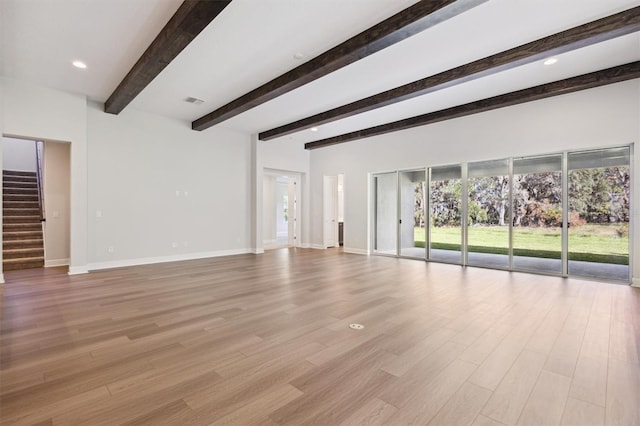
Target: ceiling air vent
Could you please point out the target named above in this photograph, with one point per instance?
(194, 101)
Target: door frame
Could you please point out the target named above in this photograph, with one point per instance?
(297, 178)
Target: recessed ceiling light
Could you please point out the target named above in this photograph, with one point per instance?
(314, 129)
(297, 56)
(550, 61)
(79, 64)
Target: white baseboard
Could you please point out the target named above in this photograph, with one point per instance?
(305, 245)
(56, 262)
(355, 251)
(163, 259)
(318, 246)
(257, 251)
(1, 278)
(635, 282)
(77, 270)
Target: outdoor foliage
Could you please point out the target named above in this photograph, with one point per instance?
(600, 195)
(597, 196)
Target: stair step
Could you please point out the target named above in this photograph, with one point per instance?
(23, 243)
(21, 219)
(17, 173)
(20, 204)
(20, 191)
(25, 179)
(12, 227)
(20, 253)
(24, 263)
(11, 185)
(20, 211)
(21, 235)
(20, 197)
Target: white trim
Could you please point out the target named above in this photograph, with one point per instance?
(164, 259)
(355, 251)
(56, 262)
(77, 270)
(635, 282)
(318, 246)
(305, 245)
(254, 251)
(1, 278)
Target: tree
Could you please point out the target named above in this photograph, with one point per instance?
(445, 202)
(492, 195)
(600, 195)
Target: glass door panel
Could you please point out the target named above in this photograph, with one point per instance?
(445, 231)
(385, 239)
(412, 213)
(599, 200)
(537, 213)
(488, 214)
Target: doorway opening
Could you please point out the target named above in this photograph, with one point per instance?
(36, 203)
(280, 193)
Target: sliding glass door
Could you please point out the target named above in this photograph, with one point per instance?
(537, 213)
(563, 214)
(599, 202)
(488, 214)
(445, 231)
(385, 187)
(412, 213)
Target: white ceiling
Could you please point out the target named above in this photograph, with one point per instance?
(253, 41)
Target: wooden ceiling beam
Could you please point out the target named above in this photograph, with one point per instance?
(189, 20)
(419, 17)
(586, 81)
(607, 28)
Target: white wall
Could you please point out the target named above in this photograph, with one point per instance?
(599, 117)
(269, 209)
(57, 200)
(160, 191)
(19, 154)
(46, 114)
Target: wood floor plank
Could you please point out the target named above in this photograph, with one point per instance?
(375, 412)
(492, 370)
(623, 393)
(260, 409)
(547, 400)
(589, 382)
(419, 410)
(265, 340)
(508, 400)
(463, 407)
(580, 413)
(565, 351)
(485, 421)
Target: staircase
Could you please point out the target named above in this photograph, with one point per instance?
(22, 242)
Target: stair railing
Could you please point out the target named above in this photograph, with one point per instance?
(39, 168)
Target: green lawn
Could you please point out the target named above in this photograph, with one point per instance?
(593, 243)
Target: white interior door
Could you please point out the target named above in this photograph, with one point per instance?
(331, 211)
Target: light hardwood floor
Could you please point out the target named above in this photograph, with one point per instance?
(265, 340)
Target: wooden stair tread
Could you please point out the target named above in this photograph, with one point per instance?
(24, 259)
(20, 233)
(18, 173)
(23, 242)
(22, 250)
